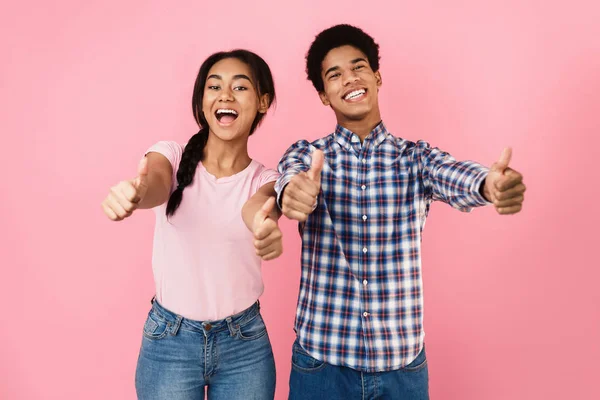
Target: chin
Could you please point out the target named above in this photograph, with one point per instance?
(352, 111)
(229, 135)
(356, 115)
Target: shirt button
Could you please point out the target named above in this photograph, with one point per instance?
(364, 249)
(365, 314)
(364, 160)
(365, 282)
(364, 217)
(363, 187)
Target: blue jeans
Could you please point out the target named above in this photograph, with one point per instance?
(314, 379)
(179, 357)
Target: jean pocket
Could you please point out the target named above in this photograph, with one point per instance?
(253, 329)
(418, 363)
(304, 362)
(155, 327)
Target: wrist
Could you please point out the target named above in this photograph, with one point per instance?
(485, 191)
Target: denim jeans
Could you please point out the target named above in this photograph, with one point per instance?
(179, 357)
(314, 379)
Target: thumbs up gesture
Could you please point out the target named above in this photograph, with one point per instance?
(267, 236)
(504, 186)
(124, 198)
(300, 196)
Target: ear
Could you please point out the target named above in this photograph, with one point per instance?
(378, 79)
(263, 103)
(324, 99)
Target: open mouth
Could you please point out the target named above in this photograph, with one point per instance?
(226, 116)
(355, 95)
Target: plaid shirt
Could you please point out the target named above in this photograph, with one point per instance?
(361, 299)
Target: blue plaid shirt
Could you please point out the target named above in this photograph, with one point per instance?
(361, 299)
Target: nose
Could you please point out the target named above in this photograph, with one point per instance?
(349, 77)
(226, 94)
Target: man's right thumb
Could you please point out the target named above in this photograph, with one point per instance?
(314, 173)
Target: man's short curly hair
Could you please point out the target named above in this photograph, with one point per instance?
(338, 36)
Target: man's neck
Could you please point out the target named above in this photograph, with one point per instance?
(361, 127)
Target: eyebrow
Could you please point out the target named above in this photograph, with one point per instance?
(356, 60)
(239, 76)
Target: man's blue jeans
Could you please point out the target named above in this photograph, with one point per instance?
(314, 379)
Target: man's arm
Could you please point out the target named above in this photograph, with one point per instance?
(456, 183)
(467, 184)
(300, 182)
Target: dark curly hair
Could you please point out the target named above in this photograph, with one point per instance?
(338, 36)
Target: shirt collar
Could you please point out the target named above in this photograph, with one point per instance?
(346, 137)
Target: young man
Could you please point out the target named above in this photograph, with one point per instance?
(361, 196)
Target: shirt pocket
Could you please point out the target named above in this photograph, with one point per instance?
(393, 192)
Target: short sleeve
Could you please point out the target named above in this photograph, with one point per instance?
(267, 175)
(172, 152)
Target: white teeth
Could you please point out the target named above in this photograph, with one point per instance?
(355, 94)
(226, 111)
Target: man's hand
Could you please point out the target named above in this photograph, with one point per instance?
(301, 194)
(504, 186)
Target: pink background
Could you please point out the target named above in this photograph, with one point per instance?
(512, 305)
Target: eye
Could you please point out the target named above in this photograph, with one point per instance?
(359, 67)
(240, 88)
(334, 75)
(213, 87)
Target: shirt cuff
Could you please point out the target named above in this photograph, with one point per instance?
(280, 186)
(476, 185)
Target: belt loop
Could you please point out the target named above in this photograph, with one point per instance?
(176, 326)
(230, 326)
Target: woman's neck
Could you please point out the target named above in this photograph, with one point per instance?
(225, 158)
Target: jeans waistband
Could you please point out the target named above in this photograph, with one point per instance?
(230, 322)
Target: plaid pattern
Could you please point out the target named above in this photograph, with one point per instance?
(361, 301)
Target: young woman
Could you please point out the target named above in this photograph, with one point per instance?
(205, 329)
